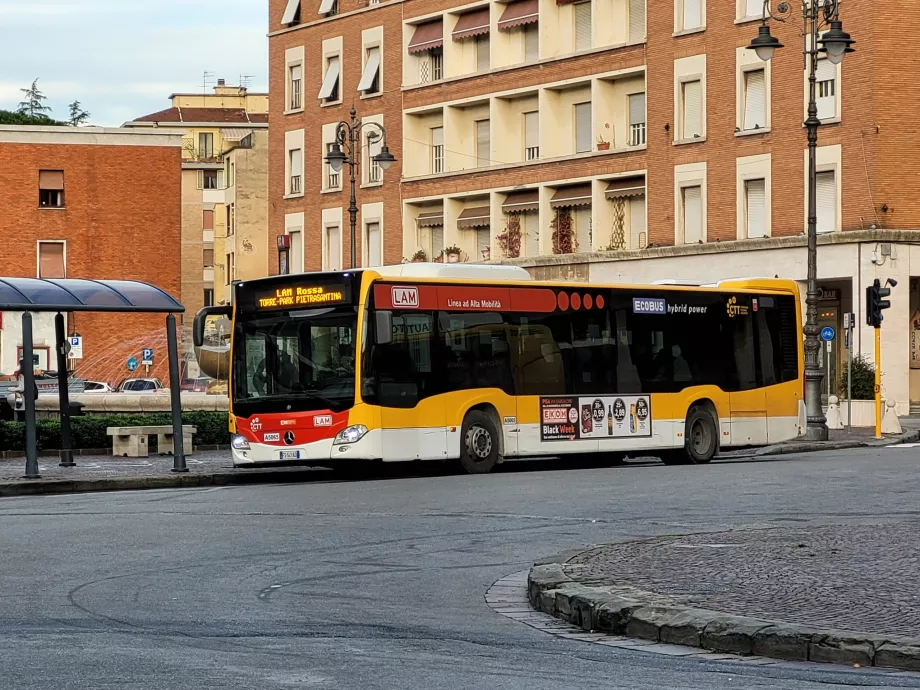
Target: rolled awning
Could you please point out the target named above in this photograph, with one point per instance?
(473, 23)
(427, 37)
(430, 219)
(626, 187)
(234, 134)
(576, 195)
(51, 179)
(522, 202)
(478, 217)
(518, 14)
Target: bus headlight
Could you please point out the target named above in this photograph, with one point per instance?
(351, 434)
(239, 443)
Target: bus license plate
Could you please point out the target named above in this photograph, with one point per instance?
(290, 455)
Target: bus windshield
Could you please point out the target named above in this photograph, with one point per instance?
(300, 361)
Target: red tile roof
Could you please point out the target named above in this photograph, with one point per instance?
(197, 115)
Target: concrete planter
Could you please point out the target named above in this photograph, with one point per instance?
(863, 412)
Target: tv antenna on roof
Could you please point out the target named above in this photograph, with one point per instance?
(245, 80)
(206, 80)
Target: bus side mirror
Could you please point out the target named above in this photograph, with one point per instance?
(201, 317)
(384, 327)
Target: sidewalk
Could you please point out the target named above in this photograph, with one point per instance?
(838, 594)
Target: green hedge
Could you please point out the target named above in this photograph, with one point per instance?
(89, 431)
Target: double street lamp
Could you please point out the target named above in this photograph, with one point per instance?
(346, 150)
(817, 15)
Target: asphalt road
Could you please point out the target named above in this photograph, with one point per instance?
(380, 584)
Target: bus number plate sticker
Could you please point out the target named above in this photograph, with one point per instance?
(272, 437)
(290, 455)
(571, 418)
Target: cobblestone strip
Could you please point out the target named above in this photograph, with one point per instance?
(811, 446)
(656, 618)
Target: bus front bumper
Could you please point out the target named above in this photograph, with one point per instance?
(368, 447)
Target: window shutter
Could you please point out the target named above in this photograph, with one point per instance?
(51, 260)
(583, 26)
(638, 224)
(531, 129)
(827, 90)
(693, 214)
(483, 155)
(755, 100)
(207, 220)
(374, 250)
(296, 73)
(754, 8)
(693, 14)
(583, 228)
(296, 162)
(482, 53)
(333, 249)
(582, 127)
(331, 79)
(531, 42)
(531, 229)
(290, 11)
(437, 136)
(371, 68)
(693, 110)
(296, 251)
(437, 241)
(483, 239)
(827, 201)
(636, 20)
(755, 199)
(636, 108)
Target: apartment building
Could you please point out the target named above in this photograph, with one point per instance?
(67, 194)
(213, 124)
(608, 140)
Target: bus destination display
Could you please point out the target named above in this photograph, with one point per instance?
(303, 296)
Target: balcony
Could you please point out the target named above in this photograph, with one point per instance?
(295, 184)
(423, 143)
(374, 173)
(333, 179)
(437, 159)
(637, 134)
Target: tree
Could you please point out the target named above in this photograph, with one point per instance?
(33, 105)
(8, 117)
(78, 116)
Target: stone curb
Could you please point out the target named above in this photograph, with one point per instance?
(162, 481)
(623, 611)
(812, 446)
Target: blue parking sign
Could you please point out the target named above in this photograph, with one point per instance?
(147, 356)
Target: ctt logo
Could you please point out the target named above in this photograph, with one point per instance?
(734, 309)
(405, 297)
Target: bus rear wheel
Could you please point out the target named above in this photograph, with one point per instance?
(701, 439)
(479, 443)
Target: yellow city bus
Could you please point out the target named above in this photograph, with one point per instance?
(472, 364)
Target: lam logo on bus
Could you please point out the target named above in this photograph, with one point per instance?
(405, 297)
(322, 420)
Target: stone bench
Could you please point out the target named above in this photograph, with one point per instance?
(131, 441)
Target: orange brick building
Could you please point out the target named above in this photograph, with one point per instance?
(607, 140)
(90, 203)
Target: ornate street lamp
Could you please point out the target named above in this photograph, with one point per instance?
(346, 150)
(834, 44)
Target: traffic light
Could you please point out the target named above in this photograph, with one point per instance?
(875, 302)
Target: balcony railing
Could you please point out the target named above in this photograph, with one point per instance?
(295, 184)
(532, 153)
(374, 173)
(296, 100)
(332, 180)
(637, 134)
(437, 159)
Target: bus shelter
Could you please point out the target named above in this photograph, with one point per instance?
(69, 295)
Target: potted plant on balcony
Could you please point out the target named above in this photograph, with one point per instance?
(510, 239)
(602, 144)
(452, 253)
(419, 257)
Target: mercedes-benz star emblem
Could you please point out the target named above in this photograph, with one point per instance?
(289, 437)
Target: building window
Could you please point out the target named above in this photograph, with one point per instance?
(582, 26)
(636, 20)
(333, 178)
(296, 179)
(231, 219)
(210, 179)
(51, 188)
(483, 244)
(483, 144)
(691, 109)
(755, 100)
(374, 146)
(691, 14)
(826, 90)
(691, 201)
(755, 208)
(207, 220)
(583, 127)
(638, 223)
(826, 199)
(231, 267)
(205, 145)
(208, 257)
(370, 78)
(291, 14)
(531, 42)
(437, 150)
(51, 260)
(329, 8)
(296, 88)
(752, 8)
(332, 261)
(209, 297)
(482, 53)
(584, 233)
(637, 119)
(373, 245)
(531, 136)
(329, 92)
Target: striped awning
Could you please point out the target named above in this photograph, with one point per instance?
(478, 217)
(427, 36)
(576, 195)
(234, 134)
(430, 219)
(475, 23)
(518, 14)
(626, 187)
(522, 202)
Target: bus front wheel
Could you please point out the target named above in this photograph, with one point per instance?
(479, 443)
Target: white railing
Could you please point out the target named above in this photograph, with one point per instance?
(437, 159)
(531, 153)
(637, 134)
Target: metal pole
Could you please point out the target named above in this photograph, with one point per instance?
(878, 383)
(63, 392)
(27, 367)
(850, 377)
(172, 347)
(354, 141)
(817, 422)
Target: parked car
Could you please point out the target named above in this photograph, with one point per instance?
(140, 386)
(197, 385)
(97, 387)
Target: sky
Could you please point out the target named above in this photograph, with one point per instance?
(123, 58)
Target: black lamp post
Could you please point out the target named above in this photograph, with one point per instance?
(816, 15)
(347, 150)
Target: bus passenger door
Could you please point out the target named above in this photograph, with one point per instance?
(747, 401)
